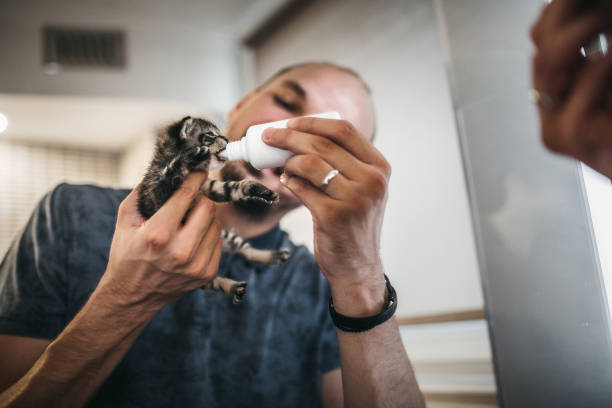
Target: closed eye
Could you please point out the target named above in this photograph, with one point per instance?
(206, 139)
(286, 105)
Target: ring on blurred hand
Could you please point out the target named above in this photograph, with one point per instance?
(542, 99)
(329, 178)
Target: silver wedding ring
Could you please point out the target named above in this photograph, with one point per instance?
(329, 178)
(542, 99)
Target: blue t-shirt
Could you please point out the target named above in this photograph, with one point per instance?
(201, 350)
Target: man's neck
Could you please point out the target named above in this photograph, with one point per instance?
(244, 225)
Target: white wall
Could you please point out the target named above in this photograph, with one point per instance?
(134, 160)
(428, 244)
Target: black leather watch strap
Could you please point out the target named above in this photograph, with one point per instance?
(361, 324)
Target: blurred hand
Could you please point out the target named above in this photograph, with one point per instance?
(156, 261)
(348, 213)
(576, 92)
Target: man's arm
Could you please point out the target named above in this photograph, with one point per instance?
(73, 366)
(379, 356)
(151, 264)
(373, 363)
(347, 216)
(18, 354)
(331, 389)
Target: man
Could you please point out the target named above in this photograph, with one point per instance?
(574, 93)
(148, 336)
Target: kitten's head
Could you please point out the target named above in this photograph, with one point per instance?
(201, 132)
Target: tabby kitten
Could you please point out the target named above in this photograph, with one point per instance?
(194, 144)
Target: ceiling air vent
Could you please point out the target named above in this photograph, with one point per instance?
(83, 48)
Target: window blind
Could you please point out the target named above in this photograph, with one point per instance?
(28, 171)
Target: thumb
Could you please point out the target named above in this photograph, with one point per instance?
(128, 214)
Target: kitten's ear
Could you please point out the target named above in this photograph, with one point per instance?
(187, 127)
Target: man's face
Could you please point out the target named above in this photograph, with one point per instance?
(301, 91)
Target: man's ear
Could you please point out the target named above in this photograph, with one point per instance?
(239, 105)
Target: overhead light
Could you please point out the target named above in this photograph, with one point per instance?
(3, 122)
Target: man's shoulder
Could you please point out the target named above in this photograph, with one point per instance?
(83, 206)
(83, 194)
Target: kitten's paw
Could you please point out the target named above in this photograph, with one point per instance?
(254, 191)
(280, 256)
(237, 292)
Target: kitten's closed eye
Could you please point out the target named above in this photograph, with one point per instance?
(207, 138)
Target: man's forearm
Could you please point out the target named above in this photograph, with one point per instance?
(79, 360)
(376, 371)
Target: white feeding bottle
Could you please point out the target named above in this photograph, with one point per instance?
(254, 150)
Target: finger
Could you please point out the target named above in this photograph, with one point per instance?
(198, 222)
(553, 82)
(173, 211)
(213, 265)
(567, 9)
(539, 26)
(563, 10)
(563, 49)
(601, 127)
(202, 253)
(589, 91)
(314, 169)
(128, 213)
(596, 144)
(552, 16)
(308, 194)
(310, 144)
(342, 132)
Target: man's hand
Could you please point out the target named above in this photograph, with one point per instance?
(348, 213)
(576, 112)
(156, 261)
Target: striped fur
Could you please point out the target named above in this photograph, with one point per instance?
(223, 191)
(234, 243)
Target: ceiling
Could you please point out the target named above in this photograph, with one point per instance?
(108, 110)
(211, 14)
